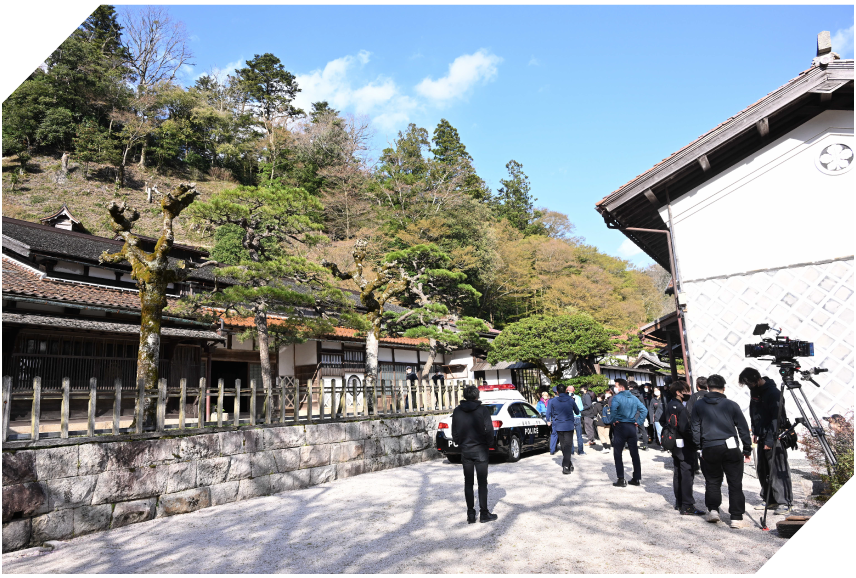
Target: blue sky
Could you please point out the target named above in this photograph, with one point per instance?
(585, 97)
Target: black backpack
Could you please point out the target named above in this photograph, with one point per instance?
(669, 435)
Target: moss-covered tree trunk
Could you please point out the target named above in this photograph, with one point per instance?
(152, 273)
(264, 347)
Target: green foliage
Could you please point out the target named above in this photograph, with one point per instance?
(839, 434)
(514, 202)
(561, 337)
(268, 85)
(227, 245)
(596, 383)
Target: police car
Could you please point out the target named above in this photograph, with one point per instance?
(517, 426)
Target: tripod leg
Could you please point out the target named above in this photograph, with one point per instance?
(772, 466)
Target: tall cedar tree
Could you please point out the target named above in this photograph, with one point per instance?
(565, 338)
(449, 150)
(514, 202)
(435, 296)
(152, 272)
(271, 280)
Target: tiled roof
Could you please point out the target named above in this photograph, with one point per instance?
(92, 325)
(71, 244)
(338, 332)
(21, 280)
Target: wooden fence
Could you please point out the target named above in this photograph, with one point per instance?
(287, 401)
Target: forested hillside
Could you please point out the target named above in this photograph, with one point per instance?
(109, 97)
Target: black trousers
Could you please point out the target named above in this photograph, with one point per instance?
(782, 492)
(475, 466)
(682, 479)
(566, 439)
(588, 425)
(721, 461)
(625, 433)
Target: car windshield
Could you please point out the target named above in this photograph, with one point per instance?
(494, 407)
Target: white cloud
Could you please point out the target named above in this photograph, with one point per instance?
(842, 42)
(463, 74)
(534, 62)
(222, 72)
(628, 249)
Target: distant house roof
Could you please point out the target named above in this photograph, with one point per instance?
(63, 219)
(649, 360)
(485, 366)
(339, 333)
(636, 203)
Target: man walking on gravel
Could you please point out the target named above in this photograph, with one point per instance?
(717, 423)
(623, 413)
(472, 431)
(562, 413)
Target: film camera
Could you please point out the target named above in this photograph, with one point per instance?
(779, 348)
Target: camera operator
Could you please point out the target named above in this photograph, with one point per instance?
(765, 427)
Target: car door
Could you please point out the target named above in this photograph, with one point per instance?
(534, 420)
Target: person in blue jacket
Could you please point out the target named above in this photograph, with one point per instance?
(541, 406)
(622, 414)
(560, 414)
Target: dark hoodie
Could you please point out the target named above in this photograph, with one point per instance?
(472, 427)
(561, 411)
(715, 418)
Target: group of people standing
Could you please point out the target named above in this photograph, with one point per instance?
(704, 432)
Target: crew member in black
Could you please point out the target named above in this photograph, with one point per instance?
(765, 427)
(674, 436)
(472, 431)
(410, 378)
(717, 422)
(701, 387)
(588, 413)
(642, 432)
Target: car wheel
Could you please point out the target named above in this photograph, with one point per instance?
(453, 459)
(513, 453)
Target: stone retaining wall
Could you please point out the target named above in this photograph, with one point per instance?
(56, 493)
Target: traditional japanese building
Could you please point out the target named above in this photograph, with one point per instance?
(760, 212)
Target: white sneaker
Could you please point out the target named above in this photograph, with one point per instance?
(712, 516)
(738, 524)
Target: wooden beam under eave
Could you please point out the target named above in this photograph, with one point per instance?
(704, 163)
(763, 126)
(652, 198)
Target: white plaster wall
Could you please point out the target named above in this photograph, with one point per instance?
(405, 356)
(73, 268)
(331, 345)
(384, 354)
(242, 345)
(773, 209)
(813, 303)
(306, 353)
(101, 273)
(491, 376)
(285, 360)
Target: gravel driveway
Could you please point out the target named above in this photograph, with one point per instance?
(413, 520)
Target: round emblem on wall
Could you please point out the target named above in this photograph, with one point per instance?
(835, 159)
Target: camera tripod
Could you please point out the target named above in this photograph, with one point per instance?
(787, 368)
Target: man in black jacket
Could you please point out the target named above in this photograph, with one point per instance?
(717, 422)
(677, 437)
(701, 387)
(642, 432)
(588, 413)
(472, 431)
(765, 427)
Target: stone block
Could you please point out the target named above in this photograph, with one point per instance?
(57, 525)
(71, 492)
(89, 519)
(391, 427)
(314, 456)
(223, 493)
(25, 500)
(430, 454)
(407, 442)
(126, 513)
(16, 534)
(358, 430)
(199, 447)
(287, 459)
(422, 441)
(212, 471)
(372, 448)
(390, 446)
(19, 467)
(241, 442)
(183, 502)
(283, 437)
(296, 479)
(379, 463)
(325, 433)
(281, 483)
(404, 459)
(118, 486)
(322, 475)
(92, 459)
(54, 463)
(346, 452)
(141, 453)
(180, 477)
(254, 488)
(240, 467)
(349, 469)
(410, 425)
(262, 464)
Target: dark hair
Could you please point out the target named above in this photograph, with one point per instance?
(471, 393)
(561, 388)
(749, 376)
(621, 382)
(679, 386)
(701, 383)
(632, 384)
(667, 380)
(716, 382)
